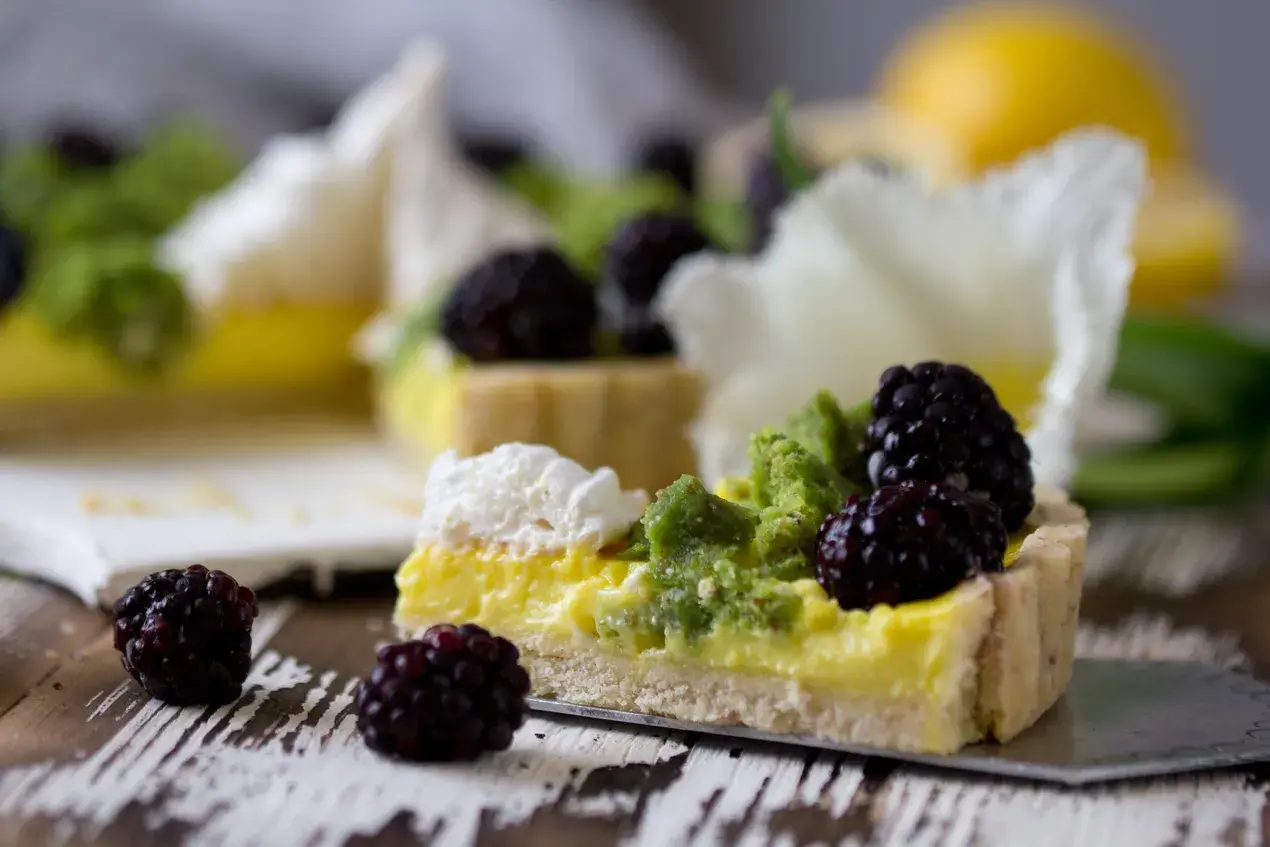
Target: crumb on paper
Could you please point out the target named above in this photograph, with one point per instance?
(395, 500)
(210, 495)
(99, 504)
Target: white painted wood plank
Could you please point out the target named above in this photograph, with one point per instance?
(311, 780)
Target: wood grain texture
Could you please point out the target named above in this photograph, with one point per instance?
(85, 758)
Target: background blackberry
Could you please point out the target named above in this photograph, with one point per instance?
(675, 158)
(81, 148)
(493, 154)
(12, 265)
(453, 694)
(636, 262)
(943, 423)
(521, 305)
(765, 194)
(645, 248)
(646, 338)
(907, 542)
(186, 635)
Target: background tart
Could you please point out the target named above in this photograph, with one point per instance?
(631, 415)
(276, 358)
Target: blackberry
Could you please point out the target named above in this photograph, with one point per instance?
(672, 157)
(453, 694)
(907, 542)
(646, 338)
(637, 260)
(12, 265)
(493, 154)
(645, 248)
(943, 423)
(185, 635)
(765, 194)
(521, 305)
(82, 148)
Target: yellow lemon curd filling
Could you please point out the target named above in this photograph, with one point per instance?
(584, 596)
(271, 347)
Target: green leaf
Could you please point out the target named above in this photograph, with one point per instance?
(583, 212)
(795, 173)
(592, 211)
(1165, 474)
(725, 222)
(419, 327)
(1201, 375)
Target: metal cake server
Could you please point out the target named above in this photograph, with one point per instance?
(1118, 720)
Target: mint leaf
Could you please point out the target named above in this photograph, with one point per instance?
(419, 327)
(795, 173)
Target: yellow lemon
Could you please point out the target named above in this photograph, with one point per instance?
(1187, 239)
(1002, 79)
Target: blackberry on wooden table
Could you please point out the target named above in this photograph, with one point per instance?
(451, 695)
(185, 635)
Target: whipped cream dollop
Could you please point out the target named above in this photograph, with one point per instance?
(1028, 264)
(526, 497)
(304, 220)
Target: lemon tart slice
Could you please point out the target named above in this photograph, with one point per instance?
(906, 619)
(246, 302)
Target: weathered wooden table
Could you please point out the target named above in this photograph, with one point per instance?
(84, 757)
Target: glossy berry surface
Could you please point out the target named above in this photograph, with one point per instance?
(451, 695)
(939, 422)
(907, 542)
(12, 265)
(521, 305)
(185, 635)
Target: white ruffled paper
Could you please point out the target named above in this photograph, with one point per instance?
(303, 222)
(1028, 264)
(442, 216)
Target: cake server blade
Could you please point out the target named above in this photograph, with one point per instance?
(1118, 720)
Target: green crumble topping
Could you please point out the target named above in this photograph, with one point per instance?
(91, 232)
